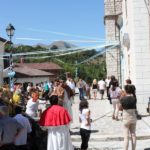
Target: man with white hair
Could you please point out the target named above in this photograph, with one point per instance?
(10, 129)
(21, 141)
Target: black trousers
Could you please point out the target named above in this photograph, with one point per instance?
(85, 136)
(109, 98)
(107, 91)
(21, 147)
(8, 147)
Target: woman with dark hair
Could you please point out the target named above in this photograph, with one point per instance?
(115, 92)
(129, 82)
(112, 79)
(56, 119)
(128, 104)
(85, 129)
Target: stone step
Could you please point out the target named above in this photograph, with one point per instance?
(101, 145)
(102, 138)
(114, 145)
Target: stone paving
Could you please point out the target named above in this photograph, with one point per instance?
(107, 133)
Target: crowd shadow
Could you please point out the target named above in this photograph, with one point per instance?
(94, 131)
(76, 128)
(145, 116)
(74, 133)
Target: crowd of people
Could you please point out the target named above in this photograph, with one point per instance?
(123, 100)
(50, 106)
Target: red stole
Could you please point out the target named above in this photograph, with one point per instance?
(55, 116)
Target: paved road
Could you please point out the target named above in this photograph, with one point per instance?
(107, 133)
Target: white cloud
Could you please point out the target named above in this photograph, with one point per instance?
(64, 34)
(29, 39)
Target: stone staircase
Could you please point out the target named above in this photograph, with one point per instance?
(107, 134)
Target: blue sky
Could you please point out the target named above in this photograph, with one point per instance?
(44, 21)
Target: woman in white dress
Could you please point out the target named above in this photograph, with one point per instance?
(67, 103)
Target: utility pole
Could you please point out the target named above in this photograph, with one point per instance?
(76, 70)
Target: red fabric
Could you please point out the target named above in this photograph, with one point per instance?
(55, 116)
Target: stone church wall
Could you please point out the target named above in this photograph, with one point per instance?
(113, 8)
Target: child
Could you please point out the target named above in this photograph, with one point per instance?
(85, 129)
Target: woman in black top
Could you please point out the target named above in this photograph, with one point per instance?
(94, 88)
(128, 104)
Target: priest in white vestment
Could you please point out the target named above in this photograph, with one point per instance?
(56, 119)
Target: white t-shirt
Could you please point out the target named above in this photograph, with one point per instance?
(71, 84)
(28, 88)
(81, 84)
(83, 116)
(31, 108)
(101, 85)
(115, 93)
(50, 85)
(22, 139)
(107, 81)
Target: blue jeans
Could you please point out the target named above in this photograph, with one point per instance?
(81, 93)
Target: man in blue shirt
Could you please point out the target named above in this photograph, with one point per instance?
(10, 129)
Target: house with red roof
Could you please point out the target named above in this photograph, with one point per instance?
(46, 66)
(36, 72)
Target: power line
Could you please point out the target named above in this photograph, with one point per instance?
(100, 53)
(74, 41)
(91, 58)
(69, 53)
(58, 50)
(87, 60)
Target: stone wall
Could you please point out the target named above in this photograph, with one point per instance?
(113, 8)
(109, 7)
(138, 29)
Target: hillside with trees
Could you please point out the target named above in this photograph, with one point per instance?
(89, 70)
